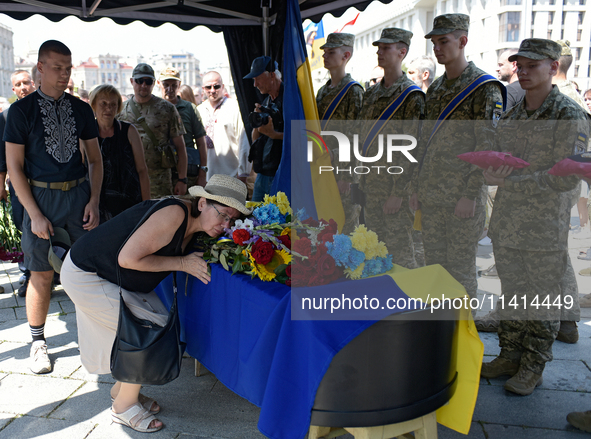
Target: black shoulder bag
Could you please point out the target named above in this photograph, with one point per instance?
(144, 352)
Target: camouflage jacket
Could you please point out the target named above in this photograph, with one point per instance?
(163, 119)
(532, 210)
(406, 120)
(350, 105)
(566, 87)
(442, 178)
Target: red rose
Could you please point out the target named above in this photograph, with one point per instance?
(325, 265)
(321, 250)
(288, 270)
(285, 240)
(240, 235)
(302, 246)
(262, 252)
(311, 222)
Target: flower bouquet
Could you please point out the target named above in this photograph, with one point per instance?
(10, 236)
(259, 246)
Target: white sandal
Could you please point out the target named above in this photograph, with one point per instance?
(137, 418)
(146, 402)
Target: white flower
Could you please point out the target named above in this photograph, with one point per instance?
(246, 224)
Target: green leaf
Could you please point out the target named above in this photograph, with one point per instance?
(224, 262)
(280, 269)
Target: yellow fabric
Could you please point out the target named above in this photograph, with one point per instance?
(434, 281)
(326, 192)
(417, 224)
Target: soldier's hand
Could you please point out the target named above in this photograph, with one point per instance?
(392, 205)
(497, 177)
(414, 202)
(465, 208)
(91, 216)
(180, 188)
(344, 187)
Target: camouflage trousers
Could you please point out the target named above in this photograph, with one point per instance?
(452, 242)
(527, 331)
(569, 290)
(160, 182)
(352, 212)
(394, 230)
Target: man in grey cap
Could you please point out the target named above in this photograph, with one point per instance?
(158, 123)
(267, 147)
(530, 222)
(394, 99)
(450, 192)
(340, 99)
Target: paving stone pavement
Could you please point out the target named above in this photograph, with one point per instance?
(69, 403)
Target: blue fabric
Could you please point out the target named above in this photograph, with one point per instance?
(262, 186)
(241, 329)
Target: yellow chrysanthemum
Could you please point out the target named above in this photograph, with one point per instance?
(355, 274)
(286, 231)
(267, 272)
(252, 204)
(269, 199)
(367, 241)
(283, 203)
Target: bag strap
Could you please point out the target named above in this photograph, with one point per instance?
(137, 226)
(142, 121)
(336, 101)
(387, 114)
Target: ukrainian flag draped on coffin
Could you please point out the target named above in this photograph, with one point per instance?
(318, 193)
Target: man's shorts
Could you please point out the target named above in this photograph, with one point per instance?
(63, 209)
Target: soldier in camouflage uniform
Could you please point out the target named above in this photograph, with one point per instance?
(386, 211)
(530, 221)
(338, 50)
(165, 123)
(449, 191)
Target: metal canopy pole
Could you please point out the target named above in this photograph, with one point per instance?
(265, 6)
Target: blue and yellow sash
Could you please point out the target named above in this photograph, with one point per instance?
(387, 114)
(461, 97)
(335, 102)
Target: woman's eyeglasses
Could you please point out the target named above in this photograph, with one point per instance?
(227, 218)
(216, 87)
(142, 81)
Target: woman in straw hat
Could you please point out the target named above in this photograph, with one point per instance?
(157, 248)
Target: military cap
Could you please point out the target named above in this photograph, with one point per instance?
(169, 73)
(143, 70)
(565, 44)
(337, 40)
(538, 48)
(392, 35)
(447, 23)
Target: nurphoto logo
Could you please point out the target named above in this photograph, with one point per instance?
(394, 143)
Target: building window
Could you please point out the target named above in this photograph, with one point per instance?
(103, 77)
(581, 18)
(577, 53)
(108, 64)
(110, 79)
(510, 2)
(509, 24)
(576, 71)
(582, 2)
(102, 64)
(531, 34)
(552, 2)
(579, 34)
(533, 18)
(549, 37)
(550, 18)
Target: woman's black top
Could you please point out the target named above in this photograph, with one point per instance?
(121, 183)
(97, 251)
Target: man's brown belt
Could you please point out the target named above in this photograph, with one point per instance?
(61, 185)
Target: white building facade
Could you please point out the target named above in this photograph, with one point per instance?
(6, 61)
(495, 25)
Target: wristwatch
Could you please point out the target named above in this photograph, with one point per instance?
(183, 180)
(204, 168)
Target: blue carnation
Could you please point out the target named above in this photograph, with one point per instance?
(269, 214)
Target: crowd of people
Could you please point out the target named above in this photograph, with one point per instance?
(96, 170)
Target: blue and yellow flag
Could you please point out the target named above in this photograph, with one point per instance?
(317, 192)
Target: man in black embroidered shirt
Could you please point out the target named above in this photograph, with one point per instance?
(50, 136)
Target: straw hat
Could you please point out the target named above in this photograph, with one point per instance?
(225, 190)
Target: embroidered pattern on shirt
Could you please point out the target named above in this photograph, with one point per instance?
(61, 139)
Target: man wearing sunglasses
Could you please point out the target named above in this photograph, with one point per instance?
(227, 144)
(158, 123)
